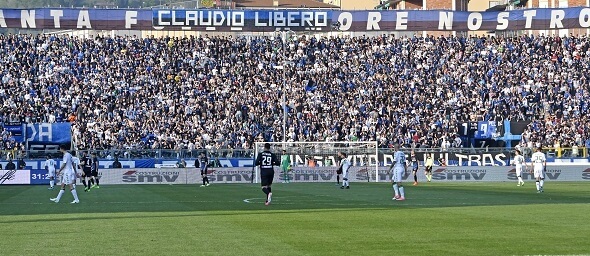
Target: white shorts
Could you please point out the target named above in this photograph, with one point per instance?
(538, 172)
(398, 173)
(68, 178)
(518, 170)
(51, 173)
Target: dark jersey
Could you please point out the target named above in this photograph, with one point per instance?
(94, 164)
(414, 162)
(87, 163)
(203, 162)
(266, 160)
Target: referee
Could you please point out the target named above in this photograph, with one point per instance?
(267, 160)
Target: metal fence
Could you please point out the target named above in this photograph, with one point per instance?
(581, 152)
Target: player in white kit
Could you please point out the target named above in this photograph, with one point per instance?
(345, 165)
(539, 165)
(68, 177)
(50, 168)
(399, 169)
(75, 163)
(519, 161)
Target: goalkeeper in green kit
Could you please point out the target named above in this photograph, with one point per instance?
(285, 166)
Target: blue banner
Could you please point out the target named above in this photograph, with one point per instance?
(48, 134)
(295, 19)
(39, 177)
(485, 130)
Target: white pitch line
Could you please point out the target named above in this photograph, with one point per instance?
(137, 202)
(247, 200)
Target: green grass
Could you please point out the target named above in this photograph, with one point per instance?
(305, 219)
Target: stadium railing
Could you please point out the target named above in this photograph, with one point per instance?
(581, 152)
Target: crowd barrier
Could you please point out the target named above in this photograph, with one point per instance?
(302, 174)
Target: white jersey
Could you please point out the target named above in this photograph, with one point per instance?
(50, 164)
(538, 159)
(69, 173)
(399, 159)
(399, 164)
(345, 166)
(519, 160)
(69, 163)
(76, 163)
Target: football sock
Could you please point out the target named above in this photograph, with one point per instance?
(265, 190)
(538, 185)
(520, 180)
(269, 189)
(429, 177)
(338, 179)
(396, 189)
(415, 178)
(92, 181)
(51, 183)
(84, 182)
(401, 191)
(75, 194)
(541, 183)
(61, 192)
(204, 179)
(207, 179)
(97, 183)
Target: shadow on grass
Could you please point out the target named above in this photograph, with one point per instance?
(296, 198)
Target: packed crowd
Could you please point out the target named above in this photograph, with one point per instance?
(224, 92)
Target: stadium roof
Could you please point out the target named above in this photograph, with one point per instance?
(283, 4)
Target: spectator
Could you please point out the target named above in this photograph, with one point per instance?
(129, 93)
(10, 165)
(117, 164)
(181, 164)
(21, 163)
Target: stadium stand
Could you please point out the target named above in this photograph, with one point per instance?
(223, 92)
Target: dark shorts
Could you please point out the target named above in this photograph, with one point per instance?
(339, 171)
(266, 179)
(87, 172)
(94, 173)
(429, 168)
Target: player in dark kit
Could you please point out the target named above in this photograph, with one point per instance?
(338, 171)
(415, 164)
(267, 160)
(87, 171)
(202, 162)
(94, 170)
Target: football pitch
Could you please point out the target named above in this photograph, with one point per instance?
(304, 219)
